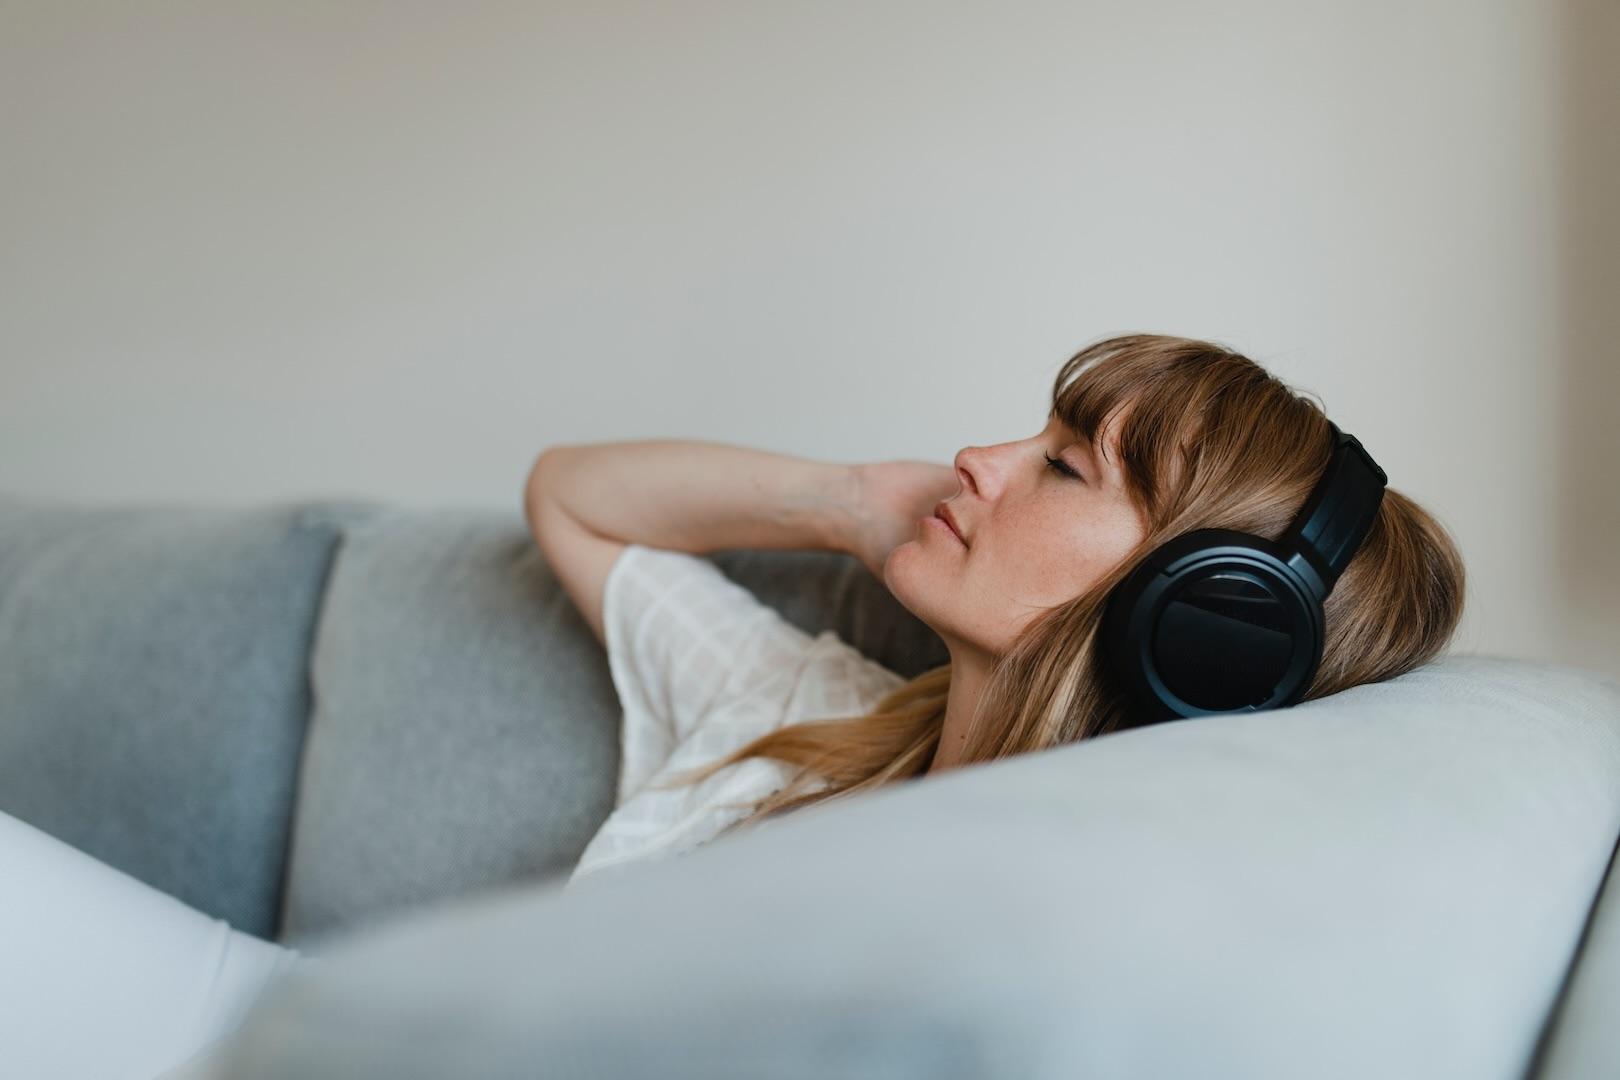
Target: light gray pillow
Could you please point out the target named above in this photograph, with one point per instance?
(1389, 882)
(154, 687)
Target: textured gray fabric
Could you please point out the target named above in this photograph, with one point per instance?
(153, 691)
(1389, 882)
(466, 728)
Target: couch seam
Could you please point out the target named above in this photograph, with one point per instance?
(311, 638)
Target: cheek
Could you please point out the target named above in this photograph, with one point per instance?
(1080, 556)
(1111, 544)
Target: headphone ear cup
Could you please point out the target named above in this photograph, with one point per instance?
(1212, 621)
(1223, 640)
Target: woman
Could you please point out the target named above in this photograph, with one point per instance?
(733, 715)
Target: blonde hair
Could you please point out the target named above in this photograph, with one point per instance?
(1210, 440)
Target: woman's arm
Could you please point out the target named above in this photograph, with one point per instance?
(585, 503)
(697, 496)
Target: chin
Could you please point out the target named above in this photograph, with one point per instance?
(899, 577)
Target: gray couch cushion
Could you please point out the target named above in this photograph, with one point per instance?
(154, 690)
(1389, 882)
(466, 731)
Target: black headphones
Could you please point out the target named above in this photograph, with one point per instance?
(1218, 620)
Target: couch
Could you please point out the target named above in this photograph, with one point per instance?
(384, 735)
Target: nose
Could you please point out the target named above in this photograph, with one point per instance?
(981, 469)
(974, 468)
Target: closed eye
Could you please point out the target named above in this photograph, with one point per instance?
(1059, 465)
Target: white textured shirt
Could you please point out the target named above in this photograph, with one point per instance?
(702, 666)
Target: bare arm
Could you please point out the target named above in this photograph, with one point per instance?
(699, 496)
(585, 503)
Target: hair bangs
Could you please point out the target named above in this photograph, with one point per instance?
(1160, 388)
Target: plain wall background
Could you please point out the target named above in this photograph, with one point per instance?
(285, 250)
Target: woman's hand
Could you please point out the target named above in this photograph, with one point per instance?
(889, 497)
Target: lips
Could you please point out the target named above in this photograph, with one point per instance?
(943, 512)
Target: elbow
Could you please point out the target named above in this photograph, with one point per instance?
(537, 480)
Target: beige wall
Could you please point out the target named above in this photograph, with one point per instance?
(393, 250)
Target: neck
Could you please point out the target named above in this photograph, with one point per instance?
(968, 675)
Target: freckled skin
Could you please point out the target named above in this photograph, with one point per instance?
(1036, 538)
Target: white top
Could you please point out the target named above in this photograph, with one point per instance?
(702, 666)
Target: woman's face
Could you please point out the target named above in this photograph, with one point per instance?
(1034, 537)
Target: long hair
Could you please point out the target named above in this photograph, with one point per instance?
(1210, 440)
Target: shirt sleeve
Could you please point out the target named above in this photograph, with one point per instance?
(683, 641)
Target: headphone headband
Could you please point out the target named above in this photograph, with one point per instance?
(1336, 516)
